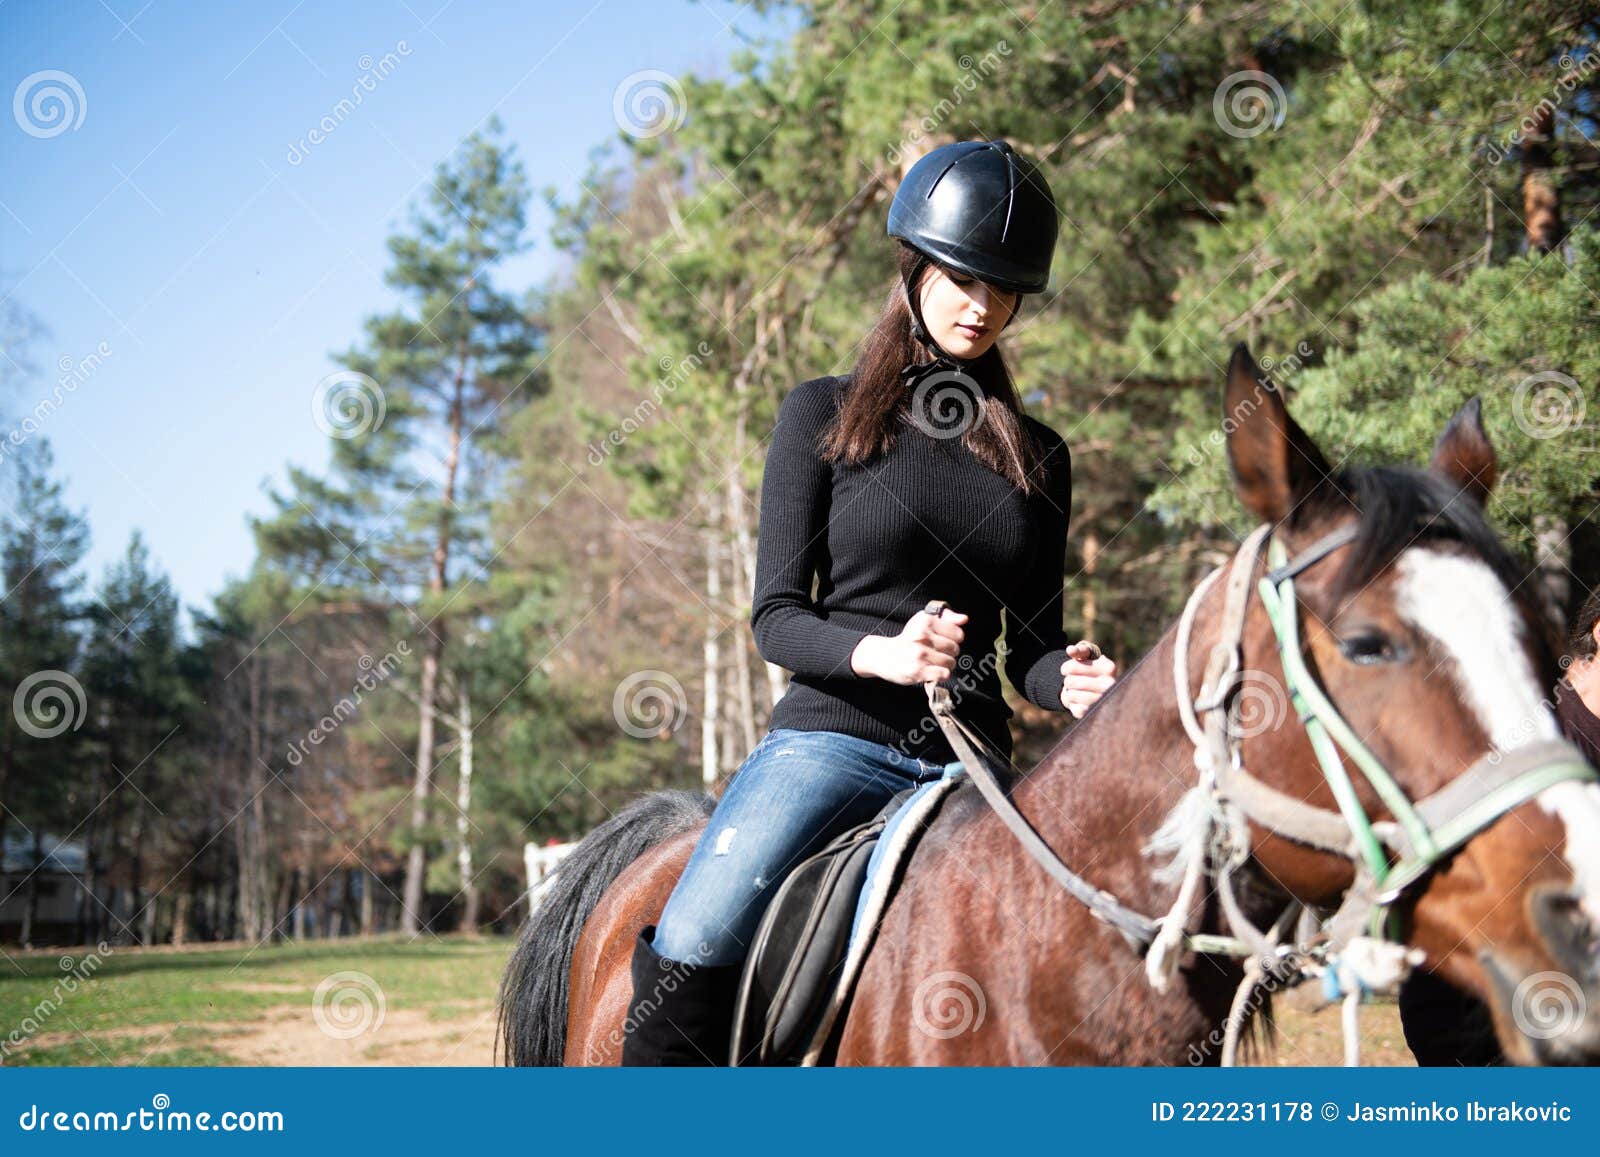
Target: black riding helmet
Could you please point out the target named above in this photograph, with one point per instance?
(981, 208)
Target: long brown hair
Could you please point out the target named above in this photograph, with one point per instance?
(878, 402)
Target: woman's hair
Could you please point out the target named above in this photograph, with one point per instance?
(878, 402)
(1581, 644)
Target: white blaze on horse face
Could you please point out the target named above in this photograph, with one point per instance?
(1460, 603)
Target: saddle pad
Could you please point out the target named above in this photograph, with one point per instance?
(797, 956)
(891, 855)
(799, 944)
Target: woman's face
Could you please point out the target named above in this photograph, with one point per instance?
(964, 315)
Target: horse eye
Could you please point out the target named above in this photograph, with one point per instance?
(1365, 650)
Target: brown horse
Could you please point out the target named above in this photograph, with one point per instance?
(1418, 628)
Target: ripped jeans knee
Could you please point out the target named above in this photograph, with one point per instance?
(796, 791)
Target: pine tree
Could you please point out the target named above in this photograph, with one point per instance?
(41, 743)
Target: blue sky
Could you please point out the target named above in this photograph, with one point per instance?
(169, 241)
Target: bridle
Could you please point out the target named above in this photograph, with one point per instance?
(1388, 856)
(1359, 941)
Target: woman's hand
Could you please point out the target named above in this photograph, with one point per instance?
(924, 651)
(1085, 676)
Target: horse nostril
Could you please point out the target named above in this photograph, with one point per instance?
(1561, 921)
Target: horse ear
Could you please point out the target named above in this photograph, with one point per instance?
(1275, 464)
(1464, 454)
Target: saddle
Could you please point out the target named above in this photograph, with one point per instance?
(803, 960)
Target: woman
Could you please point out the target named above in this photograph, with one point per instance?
(915, 477)
(1578, 691)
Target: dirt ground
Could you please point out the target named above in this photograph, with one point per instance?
(404, 1038)
(289, 1035)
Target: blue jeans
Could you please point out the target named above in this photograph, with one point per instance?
(796, 791)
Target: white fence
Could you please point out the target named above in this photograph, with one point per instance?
(540, 861)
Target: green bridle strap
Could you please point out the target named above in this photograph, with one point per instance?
(1457, 829)
(1329, 732)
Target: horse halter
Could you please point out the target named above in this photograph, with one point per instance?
(1422, 833)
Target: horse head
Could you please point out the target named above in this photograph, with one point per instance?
(1414, 625)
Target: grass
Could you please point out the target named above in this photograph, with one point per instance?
(214, 1005)
(179, 1007)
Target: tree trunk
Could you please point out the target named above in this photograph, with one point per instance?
(7, 758)
(89, 909)
(1555, 583)
(422, 782)
(280, 906)
(301, 877)
(743, 677)
(1091, 604)
(1541, 200)
(469, 883)
(712, 653)
(257, 913)
(30, 913)
(243, 919)
(136, 883)
(180, 917)
(729, 758)
(745, 551)
(367, 925)
(417, 858)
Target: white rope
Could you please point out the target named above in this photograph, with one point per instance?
(1350, 1018)
(1180, 661)
(1186, 834)
(1237, 1014)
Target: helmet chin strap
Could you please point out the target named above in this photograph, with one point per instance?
(942, 359)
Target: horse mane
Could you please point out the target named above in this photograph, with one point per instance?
(1400, 506)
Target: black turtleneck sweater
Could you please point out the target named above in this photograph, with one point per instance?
(925, 520)
(1578, 723)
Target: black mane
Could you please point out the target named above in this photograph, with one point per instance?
(1401, 506)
